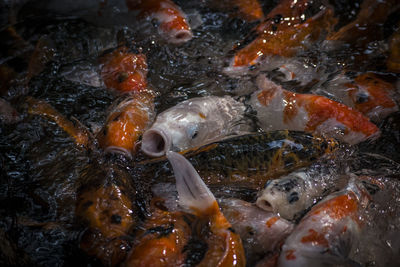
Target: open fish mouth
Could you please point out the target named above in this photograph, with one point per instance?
(118, 150)
(180, 36)
(156, 142)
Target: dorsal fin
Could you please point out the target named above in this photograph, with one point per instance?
(193, 192)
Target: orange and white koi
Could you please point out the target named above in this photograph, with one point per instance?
(126, 123)
(173, 23)
(124, 71)
(281, 109)
(281, 36)
(368, 94)
(261, 232)
(224, 247)
(326, 233)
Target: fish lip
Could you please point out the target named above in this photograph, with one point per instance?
(155, 142)
(179, 36)
(118, 150)
(264, 204)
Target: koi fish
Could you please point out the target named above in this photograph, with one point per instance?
(290, 196)
(126, 123)
(261, 232)
(281, 109)
(162, 240)
(368, 94)
(327, 232)
(172, 21)
(367, 26)
(280, 38)
(224, 246)
(393, 61)
(105, 206)
(194, 122)
(249, 10)
(124, 71)
(251, 160)
(78, 132)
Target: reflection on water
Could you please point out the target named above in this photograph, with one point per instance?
(42, 168)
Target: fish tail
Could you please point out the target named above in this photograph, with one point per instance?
(193, 192)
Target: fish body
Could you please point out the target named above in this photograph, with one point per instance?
(124, 71)
(261, 232)
(275, 42)
(79, 133)
(224, 246)
(105, 206)
(194, 122)
(326, 233)
(367, 93)
(281, 109)
(251, 160)
(393, 61)
(290, 196)
(8, 114)
(126, 123)
(249, 10)
(173, 24)
(162, 240)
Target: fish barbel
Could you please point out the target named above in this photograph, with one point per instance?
(124, 71)
(173, 25)
(224, 247)
(193, 123)
(281, 109)
(276, 41)
(327, 232)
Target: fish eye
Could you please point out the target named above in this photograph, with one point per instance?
(192, 131)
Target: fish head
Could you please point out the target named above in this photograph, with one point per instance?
(285, 196)
(177, 129)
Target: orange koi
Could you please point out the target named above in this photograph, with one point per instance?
(126, 123)
(284, 39)
(124, 71)
(368, 24)
(173, 22)
(281, 109)
(77, 131)
(106, 208)
(327, 231)
(393, 62)
(249, 10)
(224, 246)
(162, 241)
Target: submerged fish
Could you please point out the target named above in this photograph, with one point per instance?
(251, 160)
(224, 247)
(281, 109)
(105, 206)
(8, 114)
(126, 123)
(368, 94)
(172, 21)
(290, 196)
(194, 122)
(261, 232)
(280, 37)
(249, 10)
(124, 71)
(77, 131)
(368, 25)
(326, 234)
(393, 61)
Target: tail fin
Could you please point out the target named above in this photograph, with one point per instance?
(193, 192)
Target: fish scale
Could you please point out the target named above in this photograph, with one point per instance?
(253, 159)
